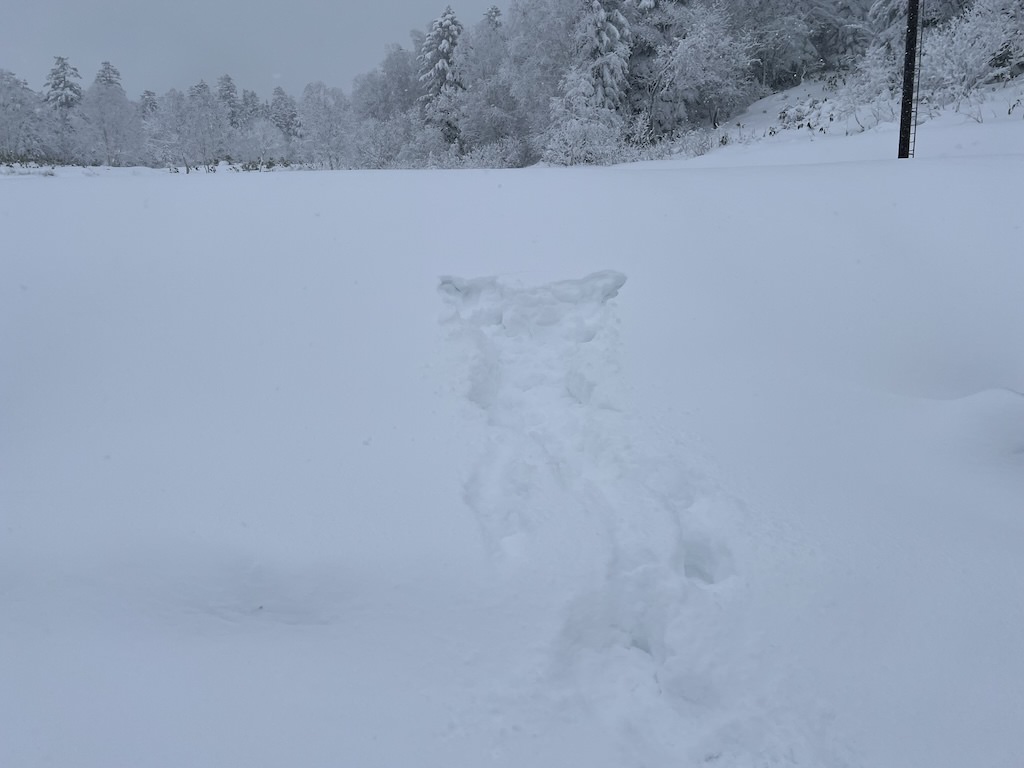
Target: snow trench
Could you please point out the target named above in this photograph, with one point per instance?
(634, 545)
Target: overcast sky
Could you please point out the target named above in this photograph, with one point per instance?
(162, 45)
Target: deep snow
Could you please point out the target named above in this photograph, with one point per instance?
(723, 465)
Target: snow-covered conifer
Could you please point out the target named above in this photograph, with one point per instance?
(147, 104)
(227, 92)
(250, 108)
(652, 105)
(437, 55)
(284, 113)
(439, 79)
(63, 93)
(603, 44)
(326, 116)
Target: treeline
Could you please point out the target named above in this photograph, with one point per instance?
(563, 81)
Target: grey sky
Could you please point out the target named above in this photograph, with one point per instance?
(160, 45)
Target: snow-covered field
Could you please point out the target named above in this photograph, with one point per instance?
(708, 462)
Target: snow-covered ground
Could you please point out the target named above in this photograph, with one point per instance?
(681, 463)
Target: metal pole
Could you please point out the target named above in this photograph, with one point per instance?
(909, 77)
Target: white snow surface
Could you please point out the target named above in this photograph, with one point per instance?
(713, 462)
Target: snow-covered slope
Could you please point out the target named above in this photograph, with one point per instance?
(711, 462)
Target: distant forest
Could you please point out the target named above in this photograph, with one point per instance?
(560, 81)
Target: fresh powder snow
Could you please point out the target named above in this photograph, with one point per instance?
(693, 462)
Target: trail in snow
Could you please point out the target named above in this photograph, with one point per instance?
(633, 545)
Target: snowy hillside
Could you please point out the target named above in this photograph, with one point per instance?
(716, 462)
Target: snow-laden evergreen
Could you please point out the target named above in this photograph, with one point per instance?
(63, 94)
(437, 55)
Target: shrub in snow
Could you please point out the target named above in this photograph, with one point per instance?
(694, 143)
(866, 97)
(427, 146)
(589, 139)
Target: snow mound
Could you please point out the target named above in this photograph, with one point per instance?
(633, 546)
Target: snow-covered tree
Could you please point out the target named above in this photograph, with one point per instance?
(63, 94)
(206, 126)
(63, 91)
(227, 93)
(582, 130)
(389, 90)
(164, 128)
(887, 19)
(20, 125)
(840, 30)
(652, 109)
(572, 80)
(541, 51)
(482, 50)
(378, 144)
(437, 55)
(961, 50)
(488, 113)
(492, 18)
(112, 132)
(250, 108)
(149, 124)
(439, 79)
(284, 113)
(326, 118)
(783, 51)
(261, 144)
(186, 130)
(586, 119)
(603, 39)
(709, 64)
(148, 104)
